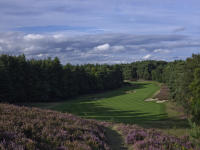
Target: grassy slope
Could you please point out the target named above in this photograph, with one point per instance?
(32, 128)
(124, 105)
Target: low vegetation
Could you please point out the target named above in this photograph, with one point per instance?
(24, 128)
(151, 139)
(33, 128)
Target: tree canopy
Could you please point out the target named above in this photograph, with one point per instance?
(33, 80)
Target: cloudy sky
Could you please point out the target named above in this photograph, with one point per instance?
(100, 31)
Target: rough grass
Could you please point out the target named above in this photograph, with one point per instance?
(176, 112)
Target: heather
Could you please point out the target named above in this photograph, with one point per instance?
(24, 128)
(151, 139)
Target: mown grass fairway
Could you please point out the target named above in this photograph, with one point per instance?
(124, 105)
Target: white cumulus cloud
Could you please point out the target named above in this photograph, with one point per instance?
(147, 56)
(40, 55)
(103, 47)
(161, 51)
(33, 37)
(118, 48)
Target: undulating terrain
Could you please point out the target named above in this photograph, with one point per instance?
(23, 128)
(30, 128)
(124, 105)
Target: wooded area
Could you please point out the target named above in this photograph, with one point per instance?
(33, 80)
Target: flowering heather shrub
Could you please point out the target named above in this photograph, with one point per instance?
(23, 128)
(149, 139)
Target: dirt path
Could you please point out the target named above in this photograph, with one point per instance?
(115, 139)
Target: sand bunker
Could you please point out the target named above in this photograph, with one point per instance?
(150, 100)
(161, 101)
(155, 99)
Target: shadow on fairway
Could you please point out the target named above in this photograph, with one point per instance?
(111, 93)
(146, 120)
(85, 106)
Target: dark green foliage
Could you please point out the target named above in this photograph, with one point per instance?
(147, 70)
(4, 83)
(33, 80)
(195, 88)
(172, 76)
(183, 79)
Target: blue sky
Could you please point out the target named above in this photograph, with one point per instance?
(100, 31)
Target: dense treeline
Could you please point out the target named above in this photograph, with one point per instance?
(147, 70)
(182, 77)
(23, 80)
